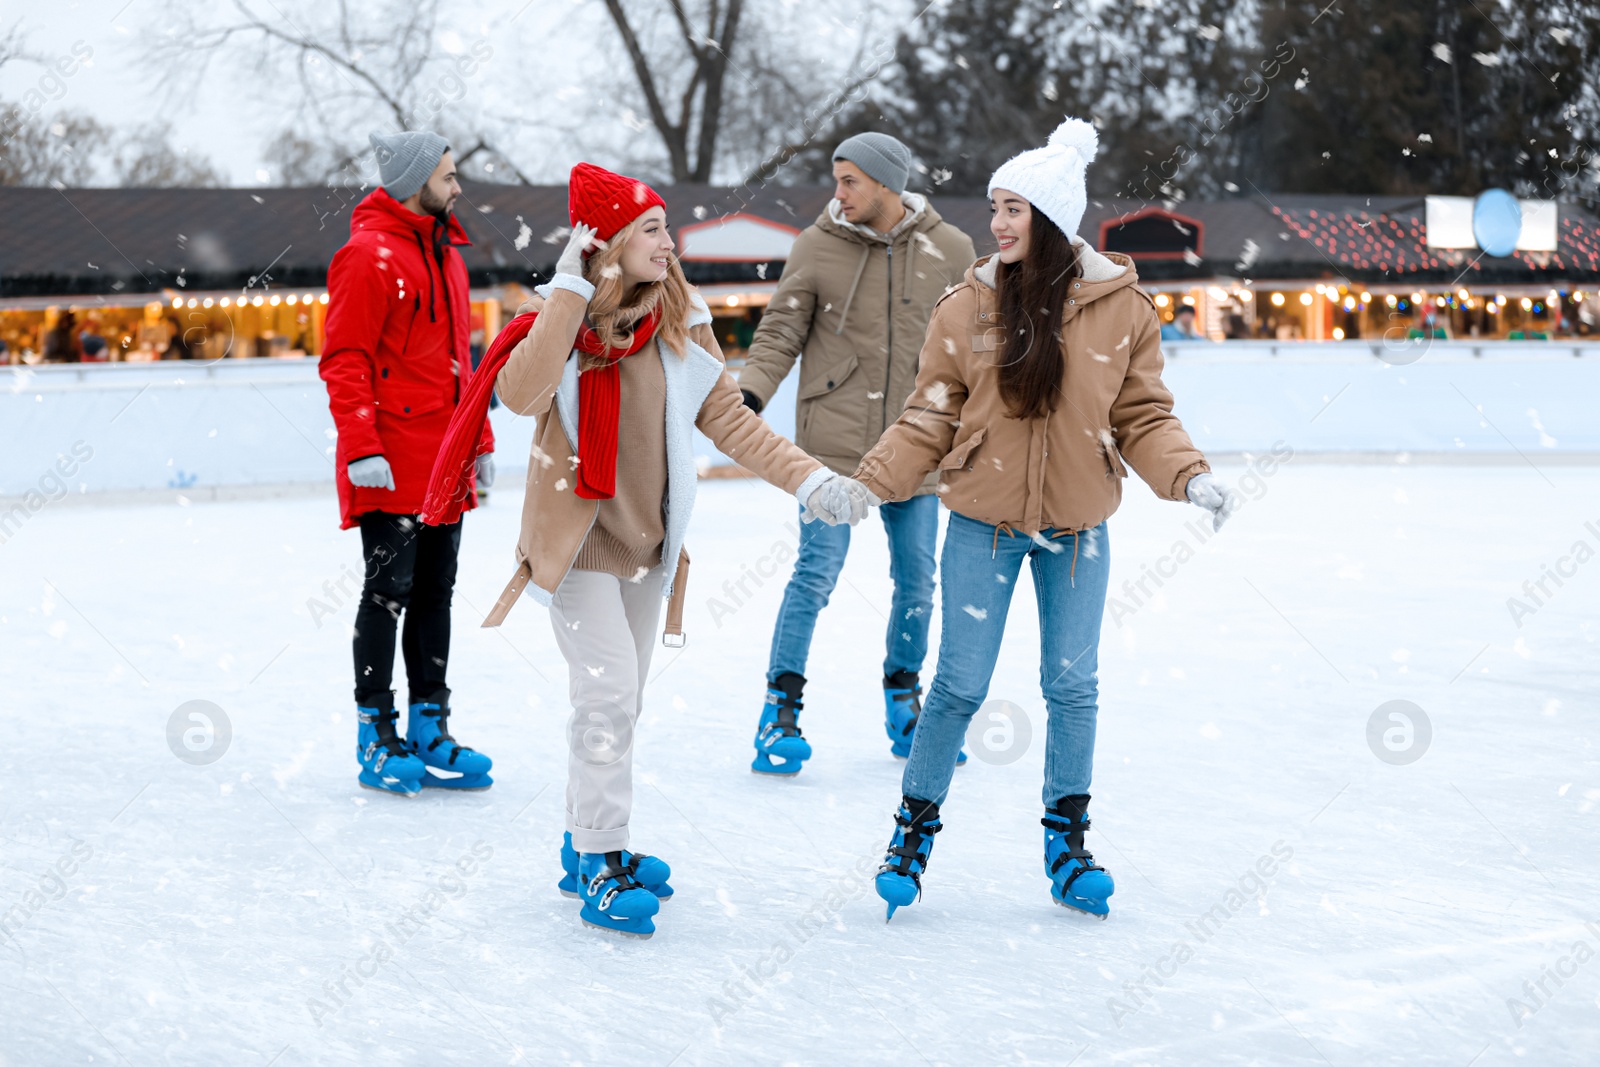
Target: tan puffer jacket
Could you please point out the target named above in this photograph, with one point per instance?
(1062, 471)
(854, 304)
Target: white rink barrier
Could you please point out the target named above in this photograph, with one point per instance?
(239, 423)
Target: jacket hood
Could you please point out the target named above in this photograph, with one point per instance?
(920, 218)
(1103, 272)
(380, 211)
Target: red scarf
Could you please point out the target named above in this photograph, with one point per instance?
(599, 406)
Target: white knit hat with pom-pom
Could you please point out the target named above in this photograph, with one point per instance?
(1052, 177)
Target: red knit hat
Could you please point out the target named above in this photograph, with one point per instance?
(606, 200)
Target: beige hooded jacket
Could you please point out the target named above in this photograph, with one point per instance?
(853, 306)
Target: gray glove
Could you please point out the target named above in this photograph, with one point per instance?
(1214, 496)
(371, 473)
(485, 465)
(841, 499)
(571, 261)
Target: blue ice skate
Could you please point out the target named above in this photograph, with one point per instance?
(902, 707)
(386, 764)
(780, 747)
(899, 880)
(613, 899)
(428, 736)
(651, 872)
(1076, 881)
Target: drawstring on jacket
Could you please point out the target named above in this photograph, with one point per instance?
(994, 548)
(911, 254)
(866, 250)
(1073, 574)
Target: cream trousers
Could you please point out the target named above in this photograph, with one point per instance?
(606, 629)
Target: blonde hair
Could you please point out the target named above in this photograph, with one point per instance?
(612, 322)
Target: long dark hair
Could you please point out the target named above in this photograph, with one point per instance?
(1033, 295)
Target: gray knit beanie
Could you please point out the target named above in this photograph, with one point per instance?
(880, 157)
(406, 159)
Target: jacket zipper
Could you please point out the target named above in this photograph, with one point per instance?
(888, 364)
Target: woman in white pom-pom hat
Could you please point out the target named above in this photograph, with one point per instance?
(1040, 376)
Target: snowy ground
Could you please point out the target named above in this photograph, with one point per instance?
(197, 912)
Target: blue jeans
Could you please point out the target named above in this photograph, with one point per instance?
(913, 527)
(1069, 578)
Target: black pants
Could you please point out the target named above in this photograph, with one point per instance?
(410, 568)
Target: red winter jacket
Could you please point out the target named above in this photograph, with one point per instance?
(396, 351)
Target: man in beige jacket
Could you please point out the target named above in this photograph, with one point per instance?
(852, 307)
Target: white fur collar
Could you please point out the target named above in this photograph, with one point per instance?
(915, 204)
(1096, 268)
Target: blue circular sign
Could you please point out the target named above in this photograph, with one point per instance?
(1496, 222)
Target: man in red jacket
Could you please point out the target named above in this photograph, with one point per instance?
(395, 359)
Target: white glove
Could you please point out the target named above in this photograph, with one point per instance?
(485, 465)
(371, 473)
(1214, 496)
(571, 261)
(840, 499)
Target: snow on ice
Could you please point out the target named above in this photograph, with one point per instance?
(1287, 892)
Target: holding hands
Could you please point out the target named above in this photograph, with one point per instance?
(840, 499)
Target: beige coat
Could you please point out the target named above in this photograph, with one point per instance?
(1062, 471)
(853, 306)
(540, 379)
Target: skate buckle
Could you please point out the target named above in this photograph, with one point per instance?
(674, 640)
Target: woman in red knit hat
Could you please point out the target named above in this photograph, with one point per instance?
(620, 366)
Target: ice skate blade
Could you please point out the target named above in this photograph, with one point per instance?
(387, 790)
(569, 894)
(763, 765)
(619, 933)
(1080, 911)
(462, 783)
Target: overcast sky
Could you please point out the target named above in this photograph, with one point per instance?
(552, 58)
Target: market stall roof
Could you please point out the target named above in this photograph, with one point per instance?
(108, 241)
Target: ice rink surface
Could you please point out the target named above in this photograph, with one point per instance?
(263, 909)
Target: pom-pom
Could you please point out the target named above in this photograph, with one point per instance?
(1076, 133)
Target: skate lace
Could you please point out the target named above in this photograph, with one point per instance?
(443, 715)
(1073, 832)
